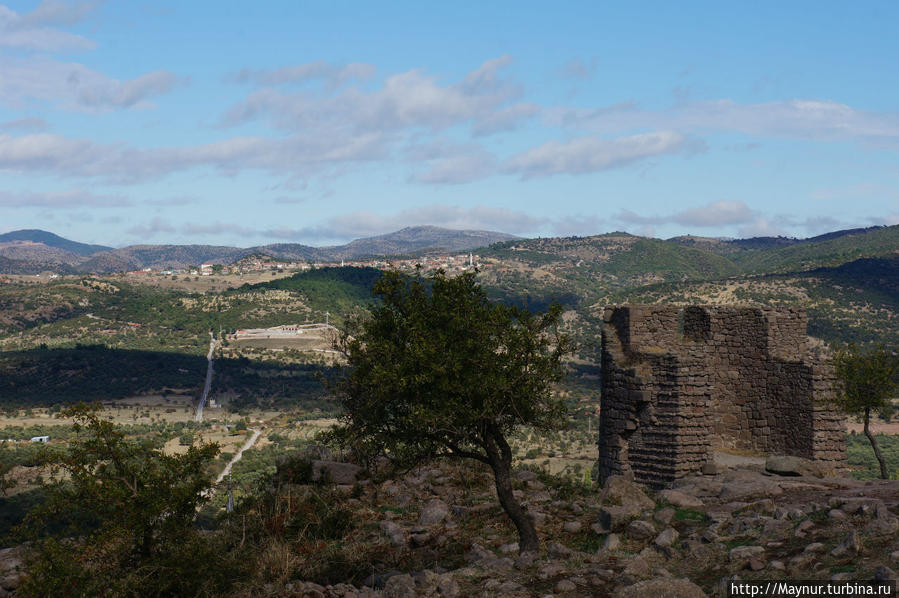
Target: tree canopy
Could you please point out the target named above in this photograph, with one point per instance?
(118, 519)
(436, 369)
(867, 381)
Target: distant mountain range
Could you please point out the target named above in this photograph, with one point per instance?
(34, 251)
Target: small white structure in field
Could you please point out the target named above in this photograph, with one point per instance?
(40, 439)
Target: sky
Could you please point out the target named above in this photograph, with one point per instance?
(238, 123)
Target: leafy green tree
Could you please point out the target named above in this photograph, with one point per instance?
(118, 520)
(867, 381)
(437, 370)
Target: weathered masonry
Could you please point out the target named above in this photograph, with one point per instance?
(679, 382)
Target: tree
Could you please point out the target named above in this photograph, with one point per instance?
(118, 519)
(866, 383)
(437, 370)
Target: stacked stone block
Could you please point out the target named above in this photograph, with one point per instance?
(676, 383)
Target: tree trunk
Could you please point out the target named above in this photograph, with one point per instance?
(500, 456)
(883, 466)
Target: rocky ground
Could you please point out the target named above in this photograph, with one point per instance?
(439, 532)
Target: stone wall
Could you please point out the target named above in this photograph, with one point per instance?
(677, 383)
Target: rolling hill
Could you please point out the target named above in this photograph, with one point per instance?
(42, 250)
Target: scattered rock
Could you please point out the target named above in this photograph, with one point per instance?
(572, 527)
(477, 553)
(615, 518)
(664, 516)
(640, 530)
(760, 507)
(741, 554)
(788, 465)
(755, 564)
(335, 471)
(396, 533)
(711, 468)
(667, 538)
(564, 585)
(637, 568)
(884, 573)
(525, 560)
(803, 528)
(815, 547)
(848, 547)
(434, 511)
(750, 490)
(883, 526)
(400, 586)
(525, 475)
(621, 491)
(447, 586)
(612, 542)
(680, 500)
(559, 551)
(663, 587)
(836, 515)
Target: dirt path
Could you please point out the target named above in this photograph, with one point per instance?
(249, 443)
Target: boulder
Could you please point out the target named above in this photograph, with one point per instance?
(788, 465)
(750, 490)
(400, 586)
(680, 500)
(434, 511)
(572, 527)
(615, 518)
(667, 538)
(664, 516)
(335, 471)
(851, 546)
(662, 587)
(741, 554)
(640, 530)
(620, 491)
(564, 585)
(612, 542)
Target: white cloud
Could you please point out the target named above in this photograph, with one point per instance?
(578, 69)
(592, 154)
(71, 199)
(811, 119)
(151, 229)
(47, 152)
(31, 32)
(407, 100)
(714, 214)
(333, 75)
(30, 124)
(72, 85)
(216, 228)
(859, 190)
(365, 223)
(53, 12)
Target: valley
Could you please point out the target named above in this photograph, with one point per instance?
(137, 344)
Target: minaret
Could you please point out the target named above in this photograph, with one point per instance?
(470, 260)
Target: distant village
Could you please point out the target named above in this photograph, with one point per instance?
(452, 264)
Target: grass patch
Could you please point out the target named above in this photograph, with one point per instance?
(691, 516)
(731, 544)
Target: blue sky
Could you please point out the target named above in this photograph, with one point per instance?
(240, 123)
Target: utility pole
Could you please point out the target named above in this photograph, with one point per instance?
(230, 506)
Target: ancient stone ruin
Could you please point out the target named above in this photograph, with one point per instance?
(677, 383)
